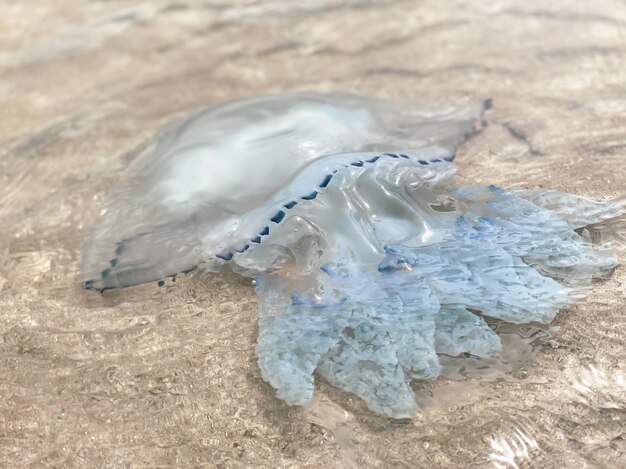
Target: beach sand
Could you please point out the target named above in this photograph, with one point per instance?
(167, 377)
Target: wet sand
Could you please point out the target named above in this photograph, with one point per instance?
(167, 377)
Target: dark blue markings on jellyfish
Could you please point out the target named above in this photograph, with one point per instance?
(369, 262)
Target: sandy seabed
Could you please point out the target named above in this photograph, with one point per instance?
(167, 377)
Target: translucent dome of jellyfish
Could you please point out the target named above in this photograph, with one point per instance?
(369, 261)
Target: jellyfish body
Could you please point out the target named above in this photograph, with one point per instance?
(369, 262)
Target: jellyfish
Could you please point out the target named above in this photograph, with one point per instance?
(369, 261)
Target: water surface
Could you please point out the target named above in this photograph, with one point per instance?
(167, 376)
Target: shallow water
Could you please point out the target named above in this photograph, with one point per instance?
(167, 376)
